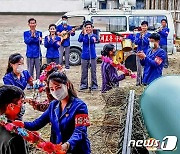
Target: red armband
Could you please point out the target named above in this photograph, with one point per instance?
(82, 120)
(158, 60)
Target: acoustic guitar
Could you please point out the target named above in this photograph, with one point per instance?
(65, 34)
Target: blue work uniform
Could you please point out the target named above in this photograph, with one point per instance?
(52, 47)
(33, 44)
(143, 43)
(33, 52)
(88, 57)
(163, 43)
(110, 77)
(164, 34)
(153, 65)
(88, 44)
(68, 28)
(65, 44)
(11, 79)
(69, 125)
(131, 37)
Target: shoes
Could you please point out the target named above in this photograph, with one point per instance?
(138, 84)
(67, 67)
(83, 88)
(94, 88)
(165, 66)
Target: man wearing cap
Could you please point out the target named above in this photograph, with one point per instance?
(88, 57)
(65, 44)
(153, 61)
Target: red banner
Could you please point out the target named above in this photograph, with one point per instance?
(112, 38)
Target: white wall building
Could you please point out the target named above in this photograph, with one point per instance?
(39, 6)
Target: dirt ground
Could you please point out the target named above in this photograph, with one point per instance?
(11, 41)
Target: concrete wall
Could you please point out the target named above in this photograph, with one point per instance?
(39, 6)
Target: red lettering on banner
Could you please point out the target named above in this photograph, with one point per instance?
(82, 120)
(102, 38)
(111, 38)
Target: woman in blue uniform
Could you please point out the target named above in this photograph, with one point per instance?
(52, 43)
(110, 77)
(17, 76)
(68, 116)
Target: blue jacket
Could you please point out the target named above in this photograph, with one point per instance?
(153, 65)
(88, 43)
(110, 78)
(52, 47)
(143, 43)
(61, 28)
(11, 79)
(33, 44)
(67, 126)
(164, 34)
(131, 37)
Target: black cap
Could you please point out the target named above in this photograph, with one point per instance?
(64, 16)
(87, 23)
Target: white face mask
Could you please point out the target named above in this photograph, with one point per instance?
(20, 68)
(151, 44)
(135, 32)
(64, 22)
(61, 93)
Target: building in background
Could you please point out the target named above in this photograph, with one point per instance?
(39, 6)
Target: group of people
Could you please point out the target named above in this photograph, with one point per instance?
(58, 46)
(67, 113)
(151, 52)
(55, 43)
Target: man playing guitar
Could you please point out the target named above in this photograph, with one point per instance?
(65, 31)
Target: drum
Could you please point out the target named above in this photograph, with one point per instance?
(120, 56)
(126, 45)
(130, 62)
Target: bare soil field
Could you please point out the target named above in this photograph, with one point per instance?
(11, 41)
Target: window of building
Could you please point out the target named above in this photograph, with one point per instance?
(110, 23)
(153, 21)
